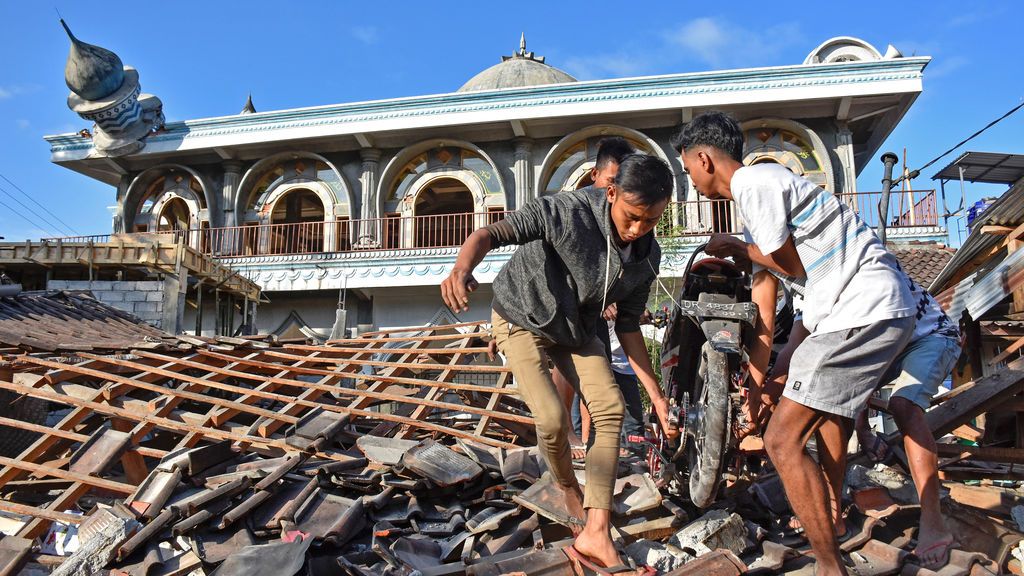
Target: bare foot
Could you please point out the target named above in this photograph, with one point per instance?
(574, 506)
(933, 548)
(598, 547)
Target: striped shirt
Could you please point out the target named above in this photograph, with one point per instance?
(852, 280)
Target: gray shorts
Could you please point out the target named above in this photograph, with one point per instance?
(836, 372)
(921, 367)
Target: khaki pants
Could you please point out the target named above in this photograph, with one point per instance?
(587, 369)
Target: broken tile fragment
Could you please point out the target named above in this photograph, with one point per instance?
(714, 530)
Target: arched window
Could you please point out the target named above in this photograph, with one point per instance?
(571, 170)
(444, 159)
(297, 223)
(781, 146)
(443, 209)
(295, 171)
(174, 216)
(170, 202)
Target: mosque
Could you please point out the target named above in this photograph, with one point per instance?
(363, 205)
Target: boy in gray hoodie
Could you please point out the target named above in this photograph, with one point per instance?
(580, 251)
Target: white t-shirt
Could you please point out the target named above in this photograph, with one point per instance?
(931, 319)
(851, 279)
(620, 362)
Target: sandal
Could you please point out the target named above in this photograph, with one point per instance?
(948, 545)
(575, 449)
(583, 565)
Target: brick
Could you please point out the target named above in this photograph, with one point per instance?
(108, 297)
(141, 307)
(135, 296)
(155, 296)
(123, 306)
(100, 285)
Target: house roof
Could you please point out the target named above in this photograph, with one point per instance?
(923, 262)
(59, 321)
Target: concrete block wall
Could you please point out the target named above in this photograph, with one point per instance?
(144, 299)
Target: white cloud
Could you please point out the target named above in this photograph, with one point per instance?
(365, 34)
(596, 67)
(722, 44)
(945, 66)
(16, 90)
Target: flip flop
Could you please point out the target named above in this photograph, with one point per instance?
(584, 565)
(878, 446)
(943, 560)
(578, 448)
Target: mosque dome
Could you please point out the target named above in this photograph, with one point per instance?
(93, 73)
(516, 71)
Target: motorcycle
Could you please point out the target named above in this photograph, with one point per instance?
(704, 370)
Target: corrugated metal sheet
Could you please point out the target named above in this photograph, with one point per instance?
(992, 167)
(1008, 210)
(978, 296)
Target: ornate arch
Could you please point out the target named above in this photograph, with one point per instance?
(245, 200)
(842, 49)
(472, 178)
(322, 191)
(134, 197)
(178, 193)
(791, 144)
(554, 158)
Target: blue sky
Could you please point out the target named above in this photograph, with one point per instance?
(203, 58)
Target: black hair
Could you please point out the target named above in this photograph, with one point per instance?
(712, 129)
(647, 178)
(612, 149)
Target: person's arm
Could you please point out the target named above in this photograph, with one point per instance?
(764, 292)
(456, 287)
(636, 351)
(785, 260)
(538, 219)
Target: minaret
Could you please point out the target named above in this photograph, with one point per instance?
(248, 108)
(105, 91)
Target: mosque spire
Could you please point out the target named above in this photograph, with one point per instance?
(248, 108)
(106, 92)
(91, 72)
(522, 43)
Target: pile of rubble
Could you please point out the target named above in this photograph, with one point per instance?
(403, 452)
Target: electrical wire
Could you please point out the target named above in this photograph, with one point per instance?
(971, 137)
(66, 226)
(26, 218)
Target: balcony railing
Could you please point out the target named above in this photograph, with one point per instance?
(681, 219)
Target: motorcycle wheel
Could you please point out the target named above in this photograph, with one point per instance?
(706, 450)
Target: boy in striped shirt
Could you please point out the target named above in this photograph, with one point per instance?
(859, 312)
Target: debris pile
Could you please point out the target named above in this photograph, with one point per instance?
(401, 452)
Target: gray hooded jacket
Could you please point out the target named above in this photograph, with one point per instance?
(557, 283)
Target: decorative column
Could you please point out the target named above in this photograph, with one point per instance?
(228, 241)
(523, 171)
(117, 226)
(844, 150)
(229, 192)
(368, 232)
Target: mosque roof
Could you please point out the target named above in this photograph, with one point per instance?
(516, 71)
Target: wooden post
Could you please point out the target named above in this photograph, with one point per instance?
(199, 308)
